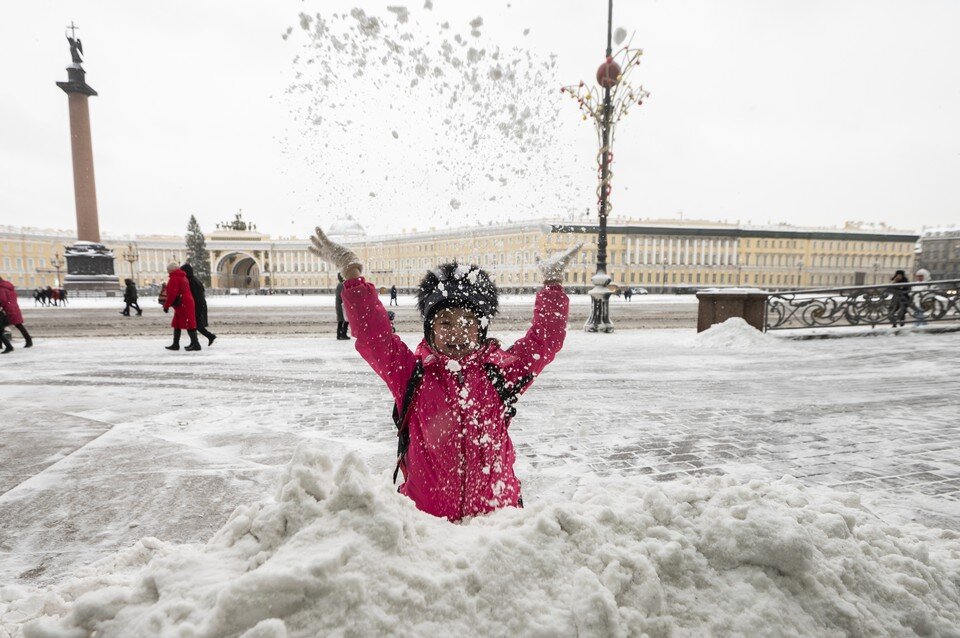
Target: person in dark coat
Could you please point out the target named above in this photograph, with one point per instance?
(342, 325)
(11, 309)
(130, 298)
(180, 299)
(393, 296)
(199, 303)
(900, 301)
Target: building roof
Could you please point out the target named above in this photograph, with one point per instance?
(778, 233)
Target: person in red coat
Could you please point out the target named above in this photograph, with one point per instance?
(180, 299)
(11, 308)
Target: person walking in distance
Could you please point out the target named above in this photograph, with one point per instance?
(900, 299)
(180, 299)
(921, 275)
(11, 308)
(130, 298)
(199, 303)
(342, 325)
(393, 296)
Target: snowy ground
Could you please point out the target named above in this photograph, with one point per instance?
(106, 442)
(293, 315)
(326, 301)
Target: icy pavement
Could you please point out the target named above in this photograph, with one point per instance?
(105, 442)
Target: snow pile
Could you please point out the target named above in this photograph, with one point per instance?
(338, 551)
(735, 334)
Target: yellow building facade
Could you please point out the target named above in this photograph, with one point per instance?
(657, 256)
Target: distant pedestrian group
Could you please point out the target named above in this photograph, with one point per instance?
(50, 296)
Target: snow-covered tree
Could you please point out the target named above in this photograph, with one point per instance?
(197, 253)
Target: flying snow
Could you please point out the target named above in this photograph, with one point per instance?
(480, 117)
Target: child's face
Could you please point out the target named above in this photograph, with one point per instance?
(456, 332)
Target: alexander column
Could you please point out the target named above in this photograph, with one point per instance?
(89, 263)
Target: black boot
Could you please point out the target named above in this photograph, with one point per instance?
(194, 344)
(7, 347)
(209, 335)
(176, 340)
(26, 335)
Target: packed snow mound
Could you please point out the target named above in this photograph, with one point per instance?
(735, 334)
(339, 552)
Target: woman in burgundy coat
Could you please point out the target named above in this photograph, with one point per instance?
(180, 299)
(11, 308)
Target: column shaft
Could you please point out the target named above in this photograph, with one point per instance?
(84, 185)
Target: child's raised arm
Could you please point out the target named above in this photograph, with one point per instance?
(386, 353)
(545, 337)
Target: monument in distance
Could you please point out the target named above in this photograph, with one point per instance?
(89, 263)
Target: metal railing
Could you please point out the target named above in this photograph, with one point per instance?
(916, 303)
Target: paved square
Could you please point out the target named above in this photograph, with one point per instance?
(103, 441)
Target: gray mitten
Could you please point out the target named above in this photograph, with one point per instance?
(553, 266)
(341, 257)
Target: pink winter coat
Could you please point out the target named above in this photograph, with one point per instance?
(184, 315)
(9, 303)
(460, 459)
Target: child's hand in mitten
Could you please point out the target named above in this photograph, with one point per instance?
(553, 266)
(343, 258)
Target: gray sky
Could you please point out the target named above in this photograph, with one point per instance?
(809, 113)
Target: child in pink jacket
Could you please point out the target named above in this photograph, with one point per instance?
(454, 395)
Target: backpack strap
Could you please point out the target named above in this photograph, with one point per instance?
(509, 392)
(400, 416)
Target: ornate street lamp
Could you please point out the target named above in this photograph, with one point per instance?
(618, 97)
(131, 256)
(57, 262)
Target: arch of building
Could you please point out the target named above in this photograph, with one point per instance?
(238, 270)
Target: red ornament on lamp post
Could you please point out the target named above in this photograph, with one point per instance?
(608, 74)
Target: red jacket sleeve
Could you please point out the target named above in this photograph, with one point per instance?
(173, 289)
(545, 337)
(376, 342)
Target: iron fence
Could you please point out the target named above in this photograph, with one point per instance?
(914, 303)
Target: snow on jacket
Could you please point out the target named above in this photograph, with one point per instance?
(460, 459)
(9, 303)
(184, 316)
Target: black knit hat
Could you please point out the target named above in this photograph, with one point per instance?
(455, 286)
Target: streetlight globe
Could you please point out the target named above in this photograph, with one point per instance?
(608, 74)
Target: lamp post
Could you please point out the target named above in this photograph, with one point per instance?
(799, 271)
(663, 276)
(57, 263)
(618, 96)
(131, 256)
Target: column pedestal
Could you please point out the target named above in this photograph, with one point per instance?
(90, 267)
